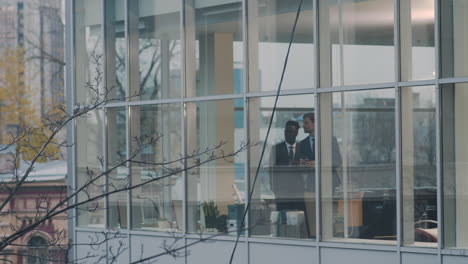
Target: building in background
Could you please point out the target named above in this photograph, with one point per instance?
(385, 80)
(31, 87)
(37, 28)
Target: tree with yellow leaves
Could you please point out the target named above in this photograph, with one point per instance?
(18, 108)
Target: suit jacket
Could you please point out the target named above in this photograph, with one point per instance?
(280, 154)
(306, 150)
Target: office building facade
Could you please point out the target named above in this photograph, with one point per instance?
(375, 172)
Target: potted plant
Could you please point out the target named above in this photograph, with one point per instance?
(210, 210)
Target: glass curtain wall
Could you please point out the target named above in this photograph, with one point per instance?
(157, 202)
(358, 170)
(193, 90)
(116, 48)
(89, 52)
(88, 69)
(216, 186)
(283, 201)
(118, 178)
(417, 40)
(356, 42)
(270, 26)
(419, 169)
(90, 134)
(453, 38)
(155, 49)
(215, 48)
(455, 160)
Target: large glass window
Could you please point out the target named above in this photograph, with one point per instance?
(356, 42)
(88, 44)
(417, 40)
(358, 165)
(454, 38)
(419, 181)
(455, 161)
(157, 204)
(155, 28)
(283, 202)
(118, 178)
(89, 152)
(216, 41)
(116, 48)
(270, 28)
(216, 190)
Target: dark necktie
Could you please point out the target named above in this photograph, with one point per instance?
(291, 154)
(312, 147)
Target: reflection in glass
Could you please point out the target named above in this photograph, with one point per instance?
(159, 48)
(270, 27)
(216, 190)
(454, 38)
(419, 182)
(356, 42)
(118, 178)
(283, 202)
(417, 40)
(358, 165)
(88, 44)
(455, 160)
(217, 45)
(116, 48)
(157, 204)
(89, 151)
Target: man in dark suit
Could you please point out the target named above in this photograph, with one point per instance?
(287, 152)
(307, 152)
(286, 174)
(307, 145)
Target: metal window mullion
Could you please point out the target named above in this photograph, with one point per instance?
(398, 147)
(71, 135)
(105, 44)
(398, 135)
(245, 34)
(183, 119)
(318, 213)
(439, 132)
(128, 79)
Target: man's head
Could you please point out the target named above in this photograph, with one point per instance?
(309, 123)
(290, 131)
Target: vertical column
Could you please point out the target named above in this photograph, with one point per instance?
(460, 37)
(461, 163)
(449, 199)
(326, 171)
(406, 40)
(224, 79)
(407, 169)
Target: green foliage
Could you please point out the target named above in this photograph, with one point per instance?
(210, 208)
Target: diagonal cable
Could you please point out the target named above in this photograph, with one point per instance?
(268, 131)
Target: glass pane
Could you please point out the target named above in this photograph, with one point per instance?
(419, 179)
(283, 202)
(217, 45)
(454, 38)
(116, 48)
(88, 44)
(417, 40)
(356, 42)
(358, 165)
(216, 190)
(157, 204)
(118, 177)
(455, 160)
(270, 30)
(158, 52)
(89, 152)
